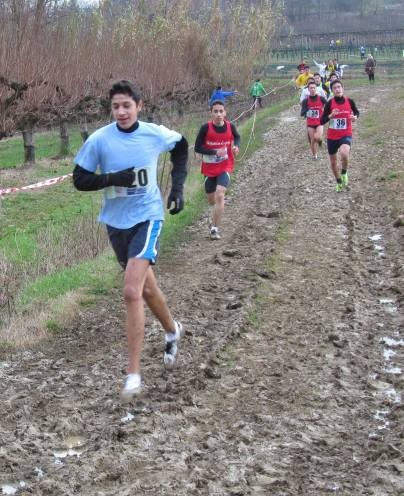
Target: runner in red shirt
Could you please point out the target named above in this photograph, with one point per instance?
(218, 141)
(340, 112)
(312, 109)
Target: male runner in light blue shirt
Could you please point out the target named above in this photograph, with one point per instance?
(126, 155)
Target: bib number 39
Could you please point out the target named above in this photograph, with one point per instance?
(338, 123)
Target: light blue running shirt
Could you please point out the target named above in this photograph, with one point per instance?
(111, 150)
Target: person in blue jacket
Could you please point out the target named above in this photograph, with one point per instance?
(220, 95)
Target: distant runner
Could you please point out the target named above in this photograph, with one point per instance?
(220, 94)
(257, 91)
(327, 86)
(218, 141)
(303, 77)
(312, 109)
(340, 111)
(320, 89)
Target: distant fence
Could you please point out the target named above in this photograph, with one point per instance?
(352, 40)
(393, 51)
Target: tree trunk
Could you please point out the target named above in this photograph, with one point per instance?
(29, 147)
(84, 130)
(64, 138)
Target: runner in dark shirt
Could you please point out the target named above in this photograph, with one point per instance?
(218, 142)
(340, 112)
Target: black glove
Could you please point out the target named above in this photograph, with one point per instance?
(121, 178)
(177, 198)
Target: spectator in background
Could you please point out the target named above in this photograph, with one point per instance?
(220, 94)
(370, 68)
(362, 52)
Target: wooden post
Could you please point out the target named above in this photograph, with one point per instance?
(84, 129)
(64, 138)
(29, 147)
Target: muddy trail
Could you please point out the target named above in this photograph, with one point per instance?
(290, 373)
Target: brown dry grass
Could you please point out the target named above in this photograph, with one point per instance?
(25, 330)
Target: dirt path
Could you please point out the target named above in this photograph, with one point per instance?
(289, 380)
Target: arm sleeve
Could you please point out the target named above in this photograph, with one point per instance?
(323, 100)
(168, 138)
(179, 157)
(229, 93)
(87, 161)
(85, 180)
(304, 108)
(236, 136)
(327, 110)
(199, 148)
(354, 107)
(88, 156)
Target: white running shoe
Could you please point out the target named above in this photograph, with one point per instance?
(132, 387)
(214, 233)
(171, 349)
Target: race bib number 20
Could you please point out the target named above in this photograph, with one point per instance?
(141, 178)
(139, 186)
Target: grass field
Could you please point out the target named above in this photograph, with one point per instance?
(46, 146)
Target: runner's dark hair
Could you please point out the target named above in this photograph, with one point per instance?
(334, 82)
(124, 87)
(216, 102)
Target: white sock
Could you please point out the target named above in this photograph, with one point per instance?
(173, 335)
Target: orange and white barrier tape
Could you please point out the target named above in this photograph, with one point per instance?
(41, 184)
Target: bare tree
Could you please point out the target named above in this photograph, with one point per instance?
(57, 62)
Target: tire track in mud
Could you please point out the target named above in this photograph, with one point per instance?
(276, 392)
